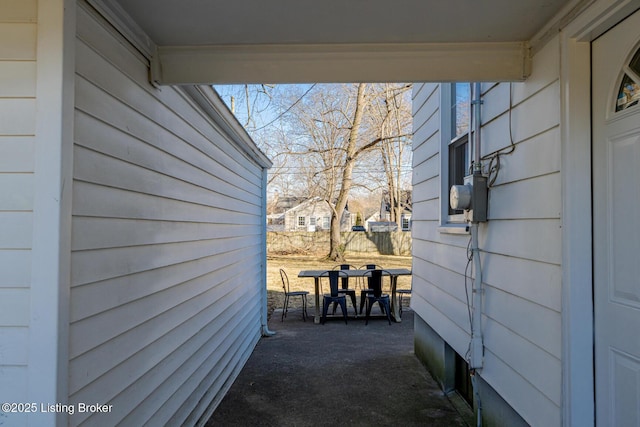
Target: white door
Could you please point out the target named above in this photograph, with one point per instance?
(616, 227)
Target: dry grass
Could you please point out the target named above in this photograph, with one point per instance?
(292, 264)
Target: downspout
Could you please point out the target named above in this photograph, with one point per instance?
(265, 327)
(477, 348)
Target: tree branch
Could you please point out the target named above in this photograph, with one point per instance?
(376, 141)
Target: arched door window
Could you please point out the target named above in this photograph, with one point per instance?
(629, 90)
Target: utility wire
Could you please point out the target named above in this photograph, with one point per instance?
(466, 290)
(287, 110)
(494, 157)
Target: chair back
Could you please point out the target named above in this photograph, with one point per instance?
(370, 267)
(285, 281)
(375, 281)
(345, 280)
(333, 280)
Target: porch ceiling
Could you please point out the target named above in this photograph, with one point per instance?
(232, 41)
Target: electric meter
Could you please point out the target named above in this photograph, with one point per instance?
(460, 196)
(471, 198)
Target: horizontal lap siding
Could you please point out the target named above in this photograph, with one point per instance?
(521, 245)
(18, 34)
(166, 261)
(426, 185)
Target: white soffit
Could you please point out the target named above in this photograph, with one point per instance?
(293, 41)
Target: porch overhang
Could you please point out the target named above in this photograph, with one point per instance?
(329, 63)
(253, 41)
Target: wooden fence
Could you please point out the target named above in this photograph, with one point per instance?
(299, 242)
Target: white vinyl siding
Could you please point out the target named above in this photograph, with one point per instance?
(520, 245)
(166, 262)
(18, 33)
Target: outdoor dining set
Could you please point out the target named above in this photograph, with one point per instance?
(346, 281)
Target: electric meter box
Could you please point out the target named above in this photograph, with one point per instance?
(479, 197)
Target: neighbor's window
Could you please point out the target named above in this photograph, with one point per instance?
(301, 221)
(312, 221)
(405, 223)
(326, 221)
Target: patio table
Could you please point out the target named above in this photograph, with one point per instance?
(393, 272)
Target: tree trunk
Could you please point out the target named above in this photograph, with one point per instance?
(336, 250)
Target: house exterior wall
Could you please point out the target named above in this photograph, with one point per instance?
(167, 253)
(520, 245)
(18, 61)
(152, 278)
(314, 208)
(310, 209)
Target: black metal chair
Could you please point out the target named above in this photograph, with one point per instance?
(366, 287)
(376, 295)
(334, 296)
(401, 293)
(288, 294)
(344, 287)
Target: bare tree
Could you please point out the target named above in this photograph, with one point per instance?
(394, 124)
(337, 129)
(247, 102)
(318, 135)
(352, 151)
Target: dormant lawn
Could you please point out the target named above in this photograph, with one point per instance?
(292, 264)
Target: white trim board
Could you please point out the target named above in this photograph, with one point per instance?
(577, 303)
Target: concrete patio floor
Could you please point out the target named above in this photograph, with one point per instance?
(337, 374)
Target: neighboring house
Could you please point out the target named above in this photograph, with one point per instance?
(132, 238)
(568, 135)
(275, 222)
(372, 217)
(406, 207)
(280, 204)
(276, 209)
(313, 215)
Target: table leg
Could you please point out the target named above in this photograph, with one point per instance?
(395, 308)
(316, 281)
